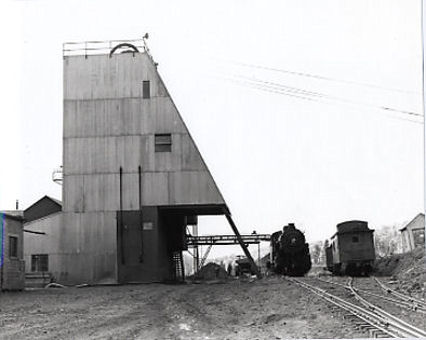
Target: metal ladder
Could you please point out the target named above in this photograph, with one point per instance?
(179, 269)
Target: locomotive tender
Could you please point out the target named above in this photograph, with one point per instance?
(351, 251)
(289, 253)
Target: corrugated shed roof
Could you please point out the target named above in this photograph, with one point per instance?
(55, 200)
(46, 197)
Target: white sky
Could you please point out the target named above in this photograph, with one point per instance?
(275, 158)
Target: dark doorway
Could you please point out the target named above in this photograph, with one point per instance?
(130, 246)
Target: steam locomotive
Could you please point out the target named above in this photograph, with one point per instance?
(289, 252)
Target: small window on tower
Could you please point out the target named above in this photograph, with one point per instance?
(145, 89)
(163, 142)
(355, 239)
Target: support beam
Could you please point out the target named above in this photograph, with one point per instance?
(196, 254)
(206, 254)
(194, 241)
(242, 244)
(34, 232)
(141, 257)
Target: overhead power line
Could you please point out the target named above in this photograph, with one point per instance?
(303, 94)
(320, 77)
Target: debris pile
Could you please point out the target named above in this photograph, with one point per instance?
(211, 271)
(407, 271)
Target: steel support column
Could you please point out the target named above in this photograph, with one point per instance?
(242, 244)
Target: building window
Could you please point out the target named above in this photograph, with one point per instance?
(163, 142)
(355, 239)
(146, 93)
(39, 263)
(13, 246)
(148, 225)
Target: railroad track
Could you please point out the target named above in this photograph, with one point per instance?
(404, 301)
(394, 322)
(416, 303)
(378, 322)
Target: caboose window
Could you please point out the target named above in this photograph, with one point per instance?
(146, 93)
(13, 246)
(163, 142)
(355, 239)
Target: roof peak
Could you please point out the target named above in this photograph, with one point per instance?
(412, 220)
(48, 197)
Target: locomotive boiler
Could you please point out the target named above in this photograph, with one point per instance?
(289, 253)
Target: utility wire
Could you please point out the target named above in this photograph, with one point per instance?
(309, 95)
(407, 120)
(320, 77)
(290, 94)
(272, 90)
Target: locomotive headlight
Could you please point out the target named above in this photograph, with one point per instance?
(293, 240)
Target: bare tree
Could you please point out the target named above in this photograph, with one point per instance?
(387, 241)
(316, 252)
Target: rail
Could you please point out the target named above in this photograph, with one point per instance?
(394, 323)
(370, 318)
(405, 304)
(94, 47)
(391, 291)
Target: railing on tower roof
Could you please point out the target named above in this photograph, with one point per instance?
(87, 48)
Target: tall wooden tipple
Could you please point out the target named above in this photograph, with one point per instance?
(132, 174)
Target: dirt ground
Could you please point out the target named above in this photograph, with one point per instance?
(408, 271)
(270, 308)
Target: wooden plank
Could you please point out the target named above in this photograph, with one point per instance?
(120, 116)
(73, 199)
(81, 247)
(193, 187)
(104, 77)
(191, 158)
(155, 188)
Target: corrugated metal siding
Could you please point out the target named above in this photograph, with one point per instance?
(108, 125)
(81, 247)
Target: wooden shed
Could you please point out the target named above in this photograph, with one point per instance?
(12, 275)
(132, 174)
(413, 233)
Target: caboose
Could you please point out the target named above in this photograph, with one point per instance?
(351, 250)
